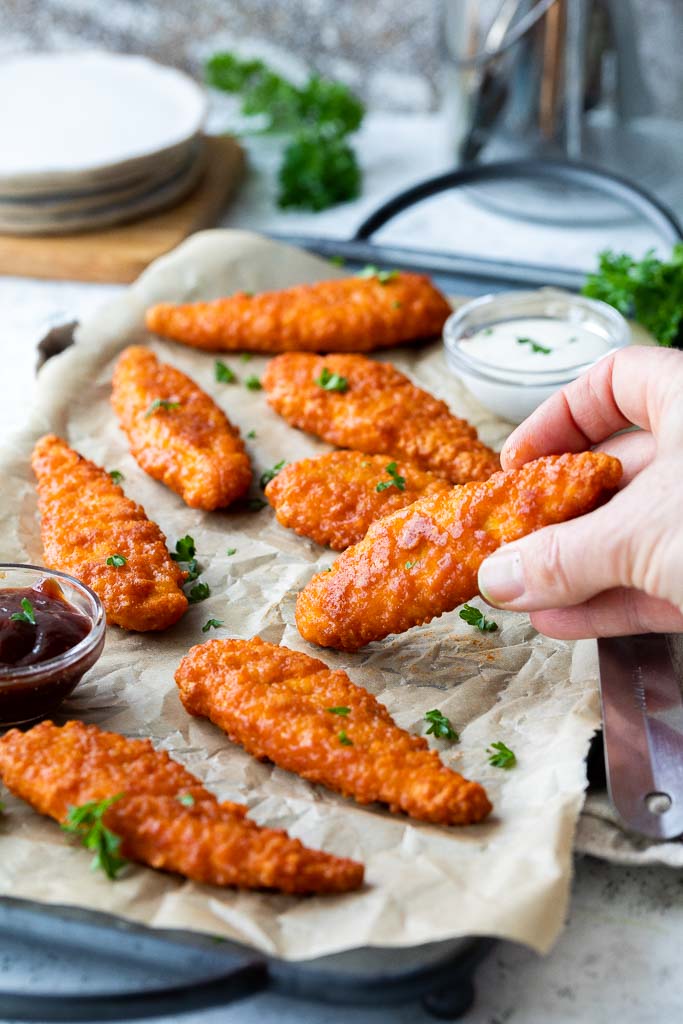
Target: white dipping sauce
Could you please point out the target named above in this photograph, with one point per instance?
(535, 343)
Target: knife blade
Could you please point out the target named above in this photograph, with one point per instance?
(642, 714)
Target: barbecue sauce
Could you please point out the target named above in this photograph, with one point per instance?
(58, 625)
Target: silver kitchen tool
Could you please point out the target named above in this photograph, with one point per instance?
(642, 713)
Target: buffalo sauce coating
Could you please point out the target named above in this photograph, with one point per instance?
(423, 561)
(58, 625)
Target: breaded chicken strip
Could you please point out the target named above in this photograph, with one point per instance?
(177, 433)
(423, 561)
(333, 498)
(353, 314)
(377, 410)
(291, 709)
(85, 520)
(55, 768)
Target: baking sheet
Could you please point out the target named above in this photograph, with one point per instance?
(508, 877)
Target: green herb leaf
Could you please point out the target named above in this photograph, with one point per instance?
(344, 739)
(86, 823)
(28, 615)
(383, 276)
(161, 403)
(224, 375)
(245, 357)
(116, 476)
(270, 474)
(535, 346)
(253, 383)
(339, 711)
(199, 592)
(210, 623)
(256, 504)
(332, 381)
(116, 560)
(409, 565)
(231, 551)
(474, 617)
(186, 799)
(440, 726)
(396, 304)
(184, 549)
(338, 261)
(396, 480)
(648, 290)
(251, 435)
(193, 569)
(501, 756)
(319, 169)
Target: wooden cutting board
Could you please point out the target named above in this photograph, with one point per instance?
(119, 254)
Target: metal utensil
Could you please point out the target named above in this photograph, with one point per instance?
(642, 713)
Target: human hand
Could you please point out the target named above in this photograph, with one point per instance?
(619, 569)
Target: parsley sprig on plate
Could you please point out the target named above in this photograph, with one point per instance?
(383, 276)
(270, 474)
(474, 617)
(501, 756)
(28, 614)
(86, 823)
(161, 404)
(440, 726)
(535, 346)
(330, 381)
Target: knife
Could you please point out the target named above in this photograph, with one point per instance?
(642, 715)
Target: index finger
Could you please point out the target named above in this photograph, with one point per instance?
(633, 386)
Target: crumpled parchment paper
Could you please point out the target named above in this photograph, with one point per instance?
(508, 877)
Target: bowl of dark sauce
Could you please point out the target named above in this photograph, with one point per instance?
(51, 632)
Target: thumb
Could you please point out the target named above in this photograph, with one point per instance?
(555, 567)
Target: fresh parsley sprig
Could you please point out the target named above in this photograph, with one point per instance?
(211, 624)
(440, 726)
(165, 404)
(344, 739)
(649, 290)
(28, 614)
(223, 373)
(116, 476)
(501, 756)
(536, 347)
(383, 276)
(270, 474)
(473, 617)
(117, 561)
(396, 480)
(341, 710)
(330, 381)
(86, 822)
(199, 592)
(319, 167)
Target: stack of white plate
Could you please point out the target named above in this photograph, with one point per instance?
(94, 139)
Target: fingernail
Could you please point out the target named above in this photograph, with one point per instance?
(501, 577)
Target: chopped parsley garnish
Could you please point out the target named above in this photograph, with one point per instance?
(184, 549)
(245, 357)
(383, 276)
(440, 726)
(231, 551)
(253, 383)
(251, 435)
(396, 480)
(161, 403)
(270, 474)
(186, 799)
(338, 261)
(116, 476)
(86, 823)
(501, 756)
(210, 623)
(473, 617)
(489, 330)
(256, 504)
(409, 565)
(116, 560)
(199, 592)
(648, 290)
(224, 375)
(339, 711)
(332, 381)
(396, 304)
(27, 615)
(344, 739)
(193, 569)
(535, 346)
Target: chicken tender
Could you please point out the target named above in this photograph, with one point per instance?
(86, 521)
(353, 314)
(423, 561)
(377, 410)
(333, 498)
(291, 709)
(55, 768)
(177, 433)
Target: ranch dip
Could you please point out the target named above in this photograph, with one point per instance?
(535, 343)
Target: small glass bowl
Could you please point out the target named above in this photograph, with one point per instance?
(30, 692)
(514, 394)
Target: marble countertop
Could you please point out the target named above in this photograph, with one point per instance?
(618, 957)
